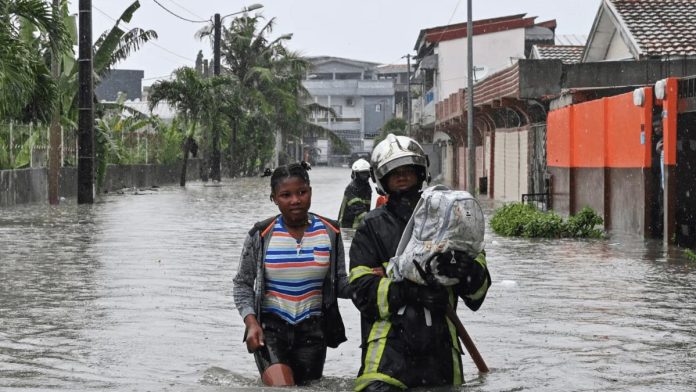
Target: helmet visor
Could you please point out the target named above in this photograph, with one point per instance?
(398, 162)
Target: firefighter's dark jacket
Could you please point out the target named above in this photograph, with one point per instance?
(387, 354)
(356, 203)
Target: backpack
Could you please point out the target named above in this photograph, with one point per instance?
(443, 220)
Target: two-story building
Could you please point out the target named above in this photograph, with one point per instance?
(441, 66)
(400, 74)
(361, 100)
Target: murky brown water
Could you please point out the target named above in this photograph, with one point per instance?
(135, 294)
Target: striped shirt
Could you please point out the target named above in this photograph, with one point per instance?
(295, 271)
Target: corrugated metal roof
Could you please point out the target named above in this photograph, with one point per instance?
(571, 39)
(392, 68)
(568, 54)
(660, 27)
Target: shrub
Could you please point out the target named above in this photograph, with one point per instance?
(523, 220)
(690, 254)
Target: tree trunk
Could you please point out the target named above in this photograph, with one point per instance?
(234, 156)
(204, 151)
(215, 155)
(186, 147)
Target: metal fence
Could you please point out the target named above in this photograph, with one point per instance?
(542, 201)
(26, 145)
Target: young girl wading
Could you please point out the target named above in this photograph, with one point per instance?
(290, 274)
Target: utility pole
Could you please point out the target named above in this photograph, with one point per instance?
(85, 108)
(54, 150)
(408, 92)
(471, 148)
(217, 32)
(215, 159)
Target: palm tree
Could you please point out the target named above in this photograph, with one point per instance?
(273, 98)
(197, 101)
(23, 70)
(28, 32)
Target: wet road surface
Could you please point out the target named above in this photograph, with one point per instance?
(134, 293)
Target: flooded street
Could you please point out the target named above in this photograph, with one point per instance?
(135, 294)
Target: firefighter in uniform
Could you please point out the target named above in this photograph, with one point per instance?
(399, 349)
(357, 196)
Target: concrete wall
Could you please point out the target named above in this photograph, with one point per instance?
(31, 185)
(452, 57)
(599, 155)
(511, 164)
(549, 77)
(378, 110)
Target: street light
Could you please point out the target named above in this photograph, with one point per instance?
(215, 164)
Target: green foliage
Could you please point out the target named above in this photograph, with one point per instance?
(582, 224)
(524, 220)
(23, 139)
(690, 254)
(28, 30)
(394, 124)
(169, 148)
(397, 126)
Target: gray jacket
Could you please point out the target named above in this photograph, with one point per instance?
(248, 291)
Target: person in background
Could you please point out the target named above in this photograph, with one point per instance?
(399, 349)
(357, 196)
(290, 273)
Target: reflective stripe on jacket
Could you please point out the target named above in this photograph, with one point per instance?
(384, 331)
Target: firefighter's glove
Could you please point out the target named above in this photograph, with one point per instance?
(456, 264)
(435, 298)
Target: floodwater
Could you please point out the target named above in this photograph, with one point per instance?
(134, 293)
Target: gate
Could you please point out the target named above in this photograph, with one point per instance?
(538, 176)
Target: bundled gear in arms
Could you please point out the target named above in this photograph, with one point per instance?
(444, 234)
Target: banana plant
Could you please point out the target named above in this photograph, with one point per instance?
(116, 124)
(110, 48)
(27, 30)
(198, 101)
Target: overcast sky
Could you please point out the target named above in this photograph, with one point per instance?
(372, 30)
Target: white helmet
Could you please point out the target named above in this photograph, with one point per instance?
(396, 151)
(360, 165)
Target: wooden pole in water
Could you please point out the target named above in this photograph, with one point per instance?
(466, 340)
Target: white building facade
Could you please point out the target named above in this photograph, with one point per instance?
(362, 103)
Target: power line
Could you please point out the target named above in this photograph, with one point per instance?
(179, 16)
(168, 76)
(150, 42)
(450, 20)
(185, 9)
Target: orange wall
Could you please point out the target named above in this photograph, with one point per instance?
(625, 122)
(588, 134)
(600, 133)
(558, 137)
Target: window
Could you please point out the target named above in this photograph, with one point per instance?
(378, 107)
